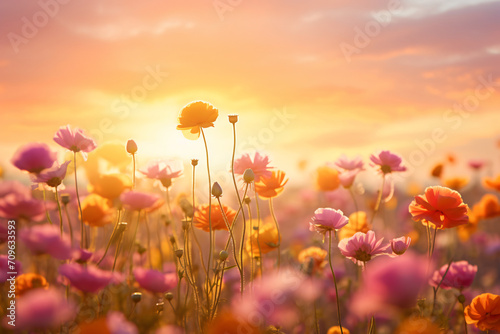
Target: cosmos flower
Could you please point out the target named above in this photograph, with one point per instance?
(96, 211)
(361, 247)
(52, 176)
(155, 281)
(400, 245)
(327, 178)
(259, 164)
(459, 276)
(88, 278)
(268, 238)
(345, 163)
(439, 206)
(484, 312)
(34, 157)
(357, 223)
(201, 217)
(327, 219)
(74, 140)
(194, 116)
(137, 200)
(272, 186)
(46, 239)
(387, 162)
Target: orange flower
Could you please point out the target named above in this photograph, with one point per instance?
(437, 170)
(441, 207)
(96, 210)
(99, 326)
(456, 183)
(327, 178)
(228, 323)
(30, 281)
(418, 326)
(316, 254)
(111, 186)
(266, 236)
(487, 207)
(492, 183)
(336, 330)
(357, 223)
(272, 186)
(194, 116)
(484, 312)
(218, 223)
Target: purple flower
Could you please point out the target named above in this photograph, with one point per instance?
(46, 239)
(387, 162)
(459, 276)
(74, 140)
(34, 157)
(327, 219)
(88, 279)
(361, 247)
(53, 176)
(155, 281)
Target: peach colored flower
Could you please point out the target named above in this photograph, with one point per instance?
(259, 164)
(194, 116)
(361, 247)
(111, 186)
(357, 223)
(30, 281)
(484, 312)
(201, 217)
(491, 183)
(336, 330)
(272, 186)
(387, 162)
(439, 206)
(327, 178)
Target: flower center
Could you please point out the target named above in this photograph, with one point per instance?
(54, 182)
(361, 255)
(385, 169)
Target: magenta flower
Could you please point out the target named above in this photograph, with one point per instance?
(11, 187)
(476, 164)
(3, 232)
(117, 323)
(345, 163)
(155, 281)
(53, 176)
(5, 268)
(42, 309)
(137, 200)
(34, 157)
(400, 245)
(46, 239)
(361, 247)
(74, 140)
(459, 276)
(19, 206)
(163, 169)
(327, 219)
(259, 165)
(387, 162)
(88, 279)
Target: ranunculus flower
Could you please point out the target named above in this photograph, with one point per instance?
(46, 239)
(155, 281)
(484, 312)
(327, 219)
(387, 162)
(459, 276)
(34, 157)
(361, 247)
(194, 116)
(201, 217)
(439, 206)
(259, 164)
(269, 187)
(137, 200)
(74, 140)
(88, 278)
(53, 176)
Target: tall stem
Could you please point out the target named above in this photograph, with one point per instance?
(149, 244)
(271, 209)
(379, 199)
(60, 212)
(111, 237)
(337, 297)
(258, 232)
(69, 223)
(82, 236)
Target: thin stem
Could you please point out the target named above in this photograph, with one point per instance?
(148, 235)
(258, 232)
(337, 297)
(316, 322)
(160, 248)
(437, 287)
(271, 209)
(465, 322)
(69, 223)
(82, 241)
(45, 206)
(60, 212)
(379, 199)
(231, 235)
(251, 245)
(133, 170)
(117, 251)
(131, 250)
(110, 238)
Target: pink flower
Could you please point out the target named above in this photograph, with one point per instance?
(155, 281)
(5, 268)
(117, 323)
(34, 157)
(345, 163)
(347, 177)
(3, 232)
(459, 276)
(388, 162)
(18, 206)
(88, 279)
(46, 239)
(327, 219)
(361, 247)
(42, 309)
(74, 140)
(163, 169)
(390, 286)
(259, 165)
(10, 187)
(476, 164)
(137, 200)
(400, 245)
(53, 176)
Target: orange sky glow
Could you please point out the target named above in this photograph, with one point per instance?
(309, 79)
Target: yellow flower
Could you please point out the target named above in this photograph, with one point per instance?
(357, 223)
(266, 236)
(336, 330)
(327, 178)
(111, 186)
(194, 116)
(96, 210)
(316, 254)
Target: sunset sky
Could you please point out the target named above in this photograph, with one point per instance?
(309, 79)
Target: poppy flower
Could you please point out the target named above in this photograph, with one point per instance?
(155, 281)
(201, 217)
(361, 247)
(111, 186)
(34, 157)
(357, 223)
(53, 176)
(439, 206)
(459, 276)
(484, 312)
(268, 238)
(491, 183)
(74, 140)
(137, 200)
(259, 164)
(19, 206)
(314, 255)
(194, 116)
(327, 178)
(272, 186)
(387, 162)
(96, 210)
(327, 219)
(487, 207)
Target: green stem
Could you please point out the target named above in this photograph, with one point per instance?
(110, 238)
(148, 235)
(133, 170)
(271, 209)
(337, 297)
(258, 233)
(117, 251)
(69, 223)
(45, 206)
(60, 212)
(379, 199)
(82, 228)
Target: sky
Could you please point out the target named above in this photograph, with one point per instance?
(310, 80)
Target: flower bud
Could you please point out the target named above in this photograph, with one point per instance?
(233, 118)
(223, 255)
(122, 227)
(194, 162)
(131, 146)
(247, 200)
(216, 190)
(248, 175)
(65, 199)
(179, 252)
(166, 182)
(461, 299)
(169, 296)
(136, 297)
